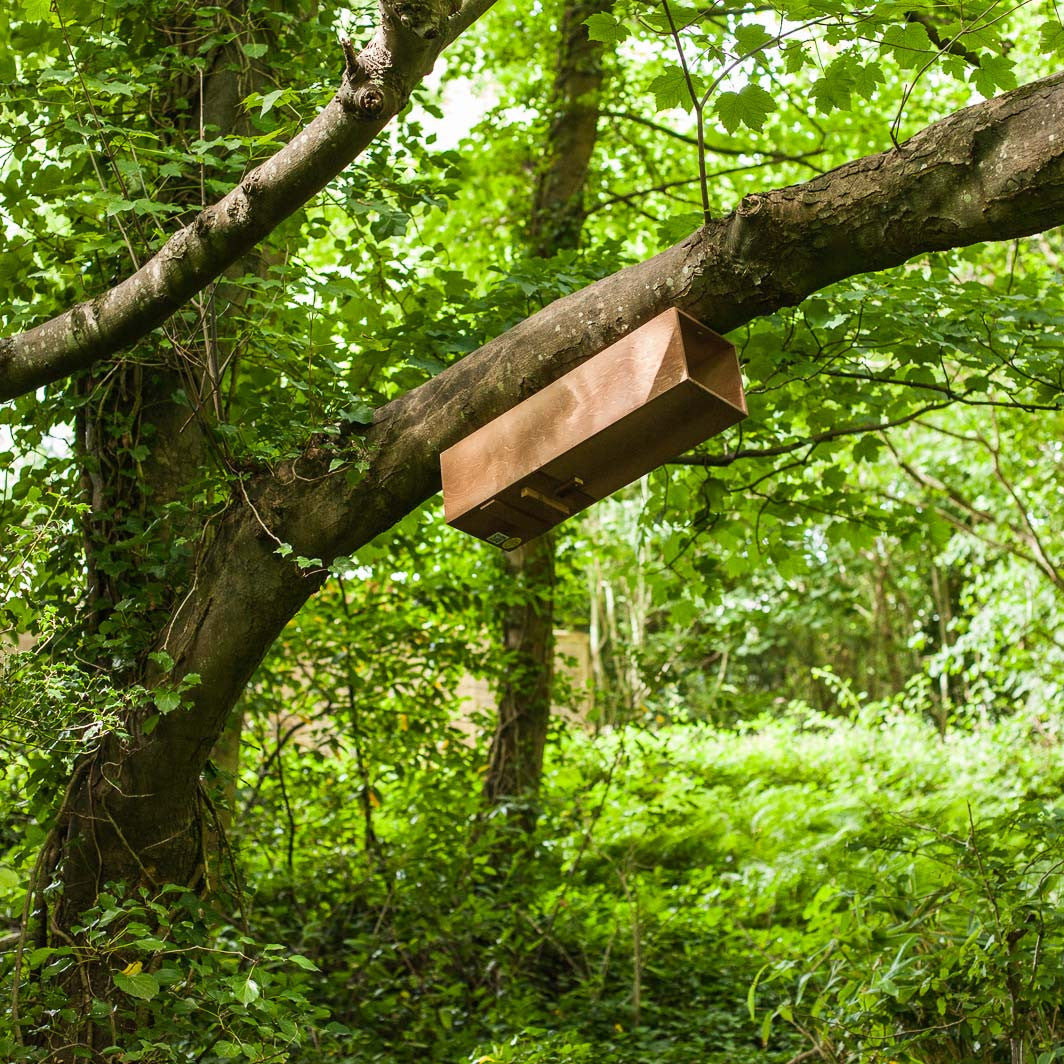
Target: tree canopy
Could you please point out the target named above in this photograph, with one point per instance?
(264, 261)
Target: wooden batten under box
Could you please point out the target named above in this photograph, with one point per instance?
(654, 394)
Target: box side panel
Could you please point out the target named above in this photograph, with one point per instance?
(672, 423)
(581, 404)
(665, 427)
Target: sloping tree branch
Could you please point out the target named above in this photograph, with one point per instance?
(991, 172)
(376, 85)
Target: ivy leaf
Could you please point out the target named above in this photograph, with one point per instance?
(670, 90)
(605, 27)
(166, 701)
(358, 413)
(994, 72)
(747, 107)
(162, 659)
(142, 985)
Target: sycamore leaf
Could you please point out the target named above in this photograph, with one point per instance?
(747, 107)
(833, 90)
(866, 78)
(678, 226)
(1052, 34)
(750, 37)
(908, 44)
(605, 27)
(34, 10)
(795, 56)
(994, 72)
(142, 985)
(670, 89)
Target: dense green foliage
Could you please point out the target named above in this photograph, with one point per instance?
(810, 808)
(860, 885)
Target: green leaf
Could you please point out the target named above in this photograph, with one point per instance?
(605, 27)
(246, 991)
(302, 962)
(269, 100)
(1052, 35)
(389, 224)
(747, 107)
(795, 56)
(162, 659)
(166, 701)
(866, 78)
(142, 985)
(670, 89)
(226, 1050)
(750, 37)
(253, 50)
(994, 72)
(867, 448)
(908, 44)
(358, 413)
(678, 226)
(149, 944)
(9, 878)
(35, 10)
(751, 993)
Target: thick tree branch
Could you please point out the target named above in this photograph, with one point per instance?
(991, 172)
(376, 85)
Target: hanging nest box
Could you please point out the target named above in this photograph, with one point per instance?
(654, 394)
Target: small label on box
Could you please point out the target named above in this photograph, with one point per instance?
(498, 538)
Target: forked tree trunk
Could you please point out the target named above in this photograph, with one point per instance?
(129, 819)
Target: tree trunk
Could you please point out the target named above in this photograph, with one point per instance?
(515, 763)
(144, 822)
(516, 760)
